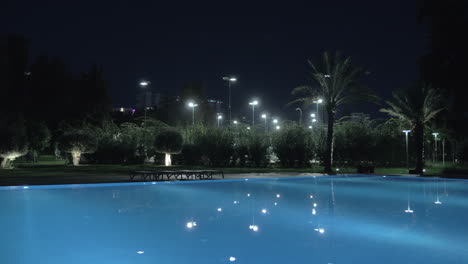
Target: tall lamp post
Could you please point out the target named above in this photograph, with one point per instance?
(220, 117)
(253, 104)
(318, 101)
(230, 80)
(434, 157)
(300, 115)
(264, 116)
(406, 140)
(193, 105)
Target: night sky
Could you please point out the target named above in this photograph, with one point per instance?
(265, 46)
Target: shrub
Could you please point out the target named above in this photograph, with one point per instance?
(77, 142)
(168, 142)
(217, 145)
(191, 154)
(293, 145)
(257, 148)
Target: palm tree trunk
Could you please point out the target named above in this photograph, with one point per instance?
(419, 134)
(329, 148)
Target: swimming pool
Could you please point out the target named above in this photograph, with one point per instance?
(335, 220)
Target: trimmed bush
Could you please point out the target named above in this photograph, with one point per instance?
(77, 142)
(168, 142)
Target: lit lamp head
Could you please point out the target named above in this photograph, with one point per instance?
(312, 115)
(406, 131)
(192, 104)
(230, 79)
(278, 127)
(220, 117)
(435, 134)
(255, 102)
(235, 122)
(320, 101)
(314, 120)
(144, 83)
(275, 121)
(264, 116)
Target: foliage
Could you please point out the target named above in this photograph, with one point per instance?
(217, 145)
(337, 85)
(293, 145)
(168, 141)
(416, 106)
(39, 138)
(191, 154)
(13, 139)
(77, 142)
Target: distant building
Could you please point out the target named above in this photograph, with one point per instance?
(216, 105)
(146, 98)
(123, 111)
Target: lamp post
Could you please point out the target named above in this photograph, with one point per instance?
(318, 101)
(230, 80)
(264, 116)
(253, 104)
(300, 115)
(220, 117)
(406, 140)
(193, 105)
(434, 157)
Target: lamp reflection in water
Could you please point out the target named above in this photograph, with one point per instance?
(437, 191)
(191, 225)
(140, 252)
(314, 211)
(264, 211)
(278, 196)
(253, 228)
(320, 230)
(408, 210)
(232, 259)
(219, 209)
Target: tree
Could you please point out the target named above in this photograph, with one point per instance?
(337, 85)
(39, 138)
(293, 145)
(416, 105)
(77, 142)
(168, 142)
(13, 140)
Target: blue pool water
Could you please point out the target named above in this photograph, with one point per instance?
(289, 220)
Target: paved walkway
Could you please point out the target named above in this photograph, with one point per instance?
(46, 180)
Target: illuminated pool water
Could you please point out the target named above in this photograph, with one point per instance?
(289, 220)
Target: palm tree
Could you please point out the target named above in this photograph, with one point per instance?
(416, 105)
(336, 78)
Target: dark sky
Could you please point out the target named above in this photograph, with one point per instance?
(265, 45)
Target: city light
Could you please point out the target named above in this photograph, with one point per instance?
(275, 121)
(312, 115)
(264, 116)
(235, 122)
(278, 127)
(230, 80)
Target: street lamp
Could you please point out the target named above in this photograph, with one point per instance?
(193, 105)
(435, 134)
(220, 118)
(278, 127)
(253, 104)
(230, 80)
(235, 122)
(406, 140)
(318, 101)
(300, 115)
(264, 116)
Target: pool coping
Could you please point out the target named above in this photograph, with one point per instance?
(112, 184)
